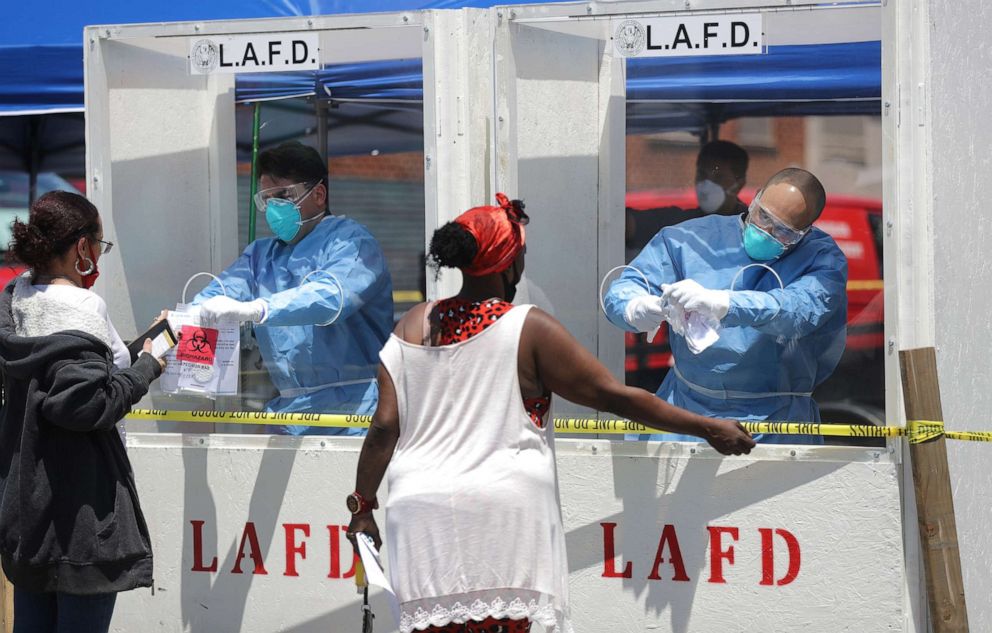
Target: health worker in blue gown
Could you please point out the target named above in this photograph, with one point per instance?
(768, 284)
(319, 293)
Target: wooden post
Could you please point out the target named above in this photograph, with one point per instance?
(934, 504)
(6, 605)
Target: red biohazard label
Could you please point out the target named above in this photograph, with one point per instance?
(197, 344)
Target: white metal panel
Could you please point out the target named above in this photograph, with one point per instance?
(649, 7)
(258, 25)
(907, 252)
(790, 25)
(345, 46)
(559, 140)
(161, 166)
(458, 123)
(956, 93)
(612, 194)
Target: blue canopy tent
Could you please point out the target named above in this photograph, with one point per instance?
(41, 62)
(41, 84)
(691, 93)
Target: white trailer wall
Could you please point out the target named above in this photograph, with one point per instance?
(739, 529)
(562, 150)
(937, 189)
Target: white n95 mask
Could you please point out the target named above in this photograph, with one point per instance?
(710, 196)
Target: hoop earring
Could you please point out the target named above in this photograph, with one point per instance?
(88, 271)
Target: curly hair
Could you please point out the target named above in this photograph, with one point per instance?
(452, 246)
(57, 219)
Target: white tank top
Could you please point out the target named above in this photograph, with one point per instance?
(473, 524)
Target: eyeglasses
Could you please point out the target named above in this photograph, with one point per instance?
(294, 193)
(105, 247)
(764, 219)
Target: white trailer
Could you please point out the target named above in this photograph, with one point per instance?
(530, 100)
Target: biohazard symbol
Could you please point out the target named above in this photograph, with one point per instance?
(199, 341)
(197, 344)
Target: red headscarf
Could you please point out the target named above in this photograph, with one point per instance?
(499, 232)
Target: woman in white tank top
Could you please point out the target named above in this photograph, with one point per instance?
(473, 522)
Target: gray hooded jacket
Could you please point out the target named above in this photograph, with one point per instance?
(69, 514)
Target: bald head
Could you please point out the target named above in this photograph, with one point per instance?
(795, 196)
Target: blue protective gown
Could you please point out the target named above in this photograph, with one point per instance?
(317, 369)
(775, 345)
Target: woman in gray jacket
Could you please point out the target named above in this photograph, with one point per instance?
(72, 533)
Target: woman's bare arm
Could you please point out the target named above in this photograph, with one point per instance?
(377, 451)
(569, 370)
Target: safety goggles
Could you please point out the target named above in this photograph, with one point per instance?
(294, 193)
(765, 220)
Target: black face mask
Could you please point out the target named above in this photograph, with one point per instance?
(509, 289)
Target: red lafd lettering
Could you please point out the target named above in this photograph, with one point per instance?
(669, 537)
(609, 555)
(197, 344)
(335, 536)
(768, 557)
(717, 553)
(292, 548)
(198, 549)
(250, 536)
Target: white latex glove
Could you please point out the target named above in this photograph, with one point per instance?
(694, 298)
(219, 308)
(645, 313)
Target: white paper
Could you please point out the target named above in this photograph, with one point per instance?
(216, 378)
(160, 345)
(374, 573)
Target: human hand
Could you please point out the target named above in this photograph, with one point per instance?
(163, 315)
(692, 297)
(216, 308)
(728, 437)
(146, 348)
(364, 522)
(645, 312)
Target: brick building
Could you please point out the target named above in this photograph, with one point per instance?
(844, 151)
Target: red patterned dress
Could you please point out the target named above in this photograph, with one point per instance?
(456, 320)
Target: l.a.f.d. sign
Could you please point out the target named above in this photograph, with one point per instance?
(264, 52)
(734, 34)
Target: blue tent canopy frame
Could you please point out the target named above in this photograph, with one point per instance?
(662, 93)
(42, 74)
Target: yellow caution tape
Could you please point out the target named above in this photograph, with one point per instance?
(832, 430)
(595, 426)
(351, 421)
(969, 436)
(917, 431)
(407, 296)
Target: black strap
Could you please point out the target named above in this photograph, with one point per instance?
(367, 615)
